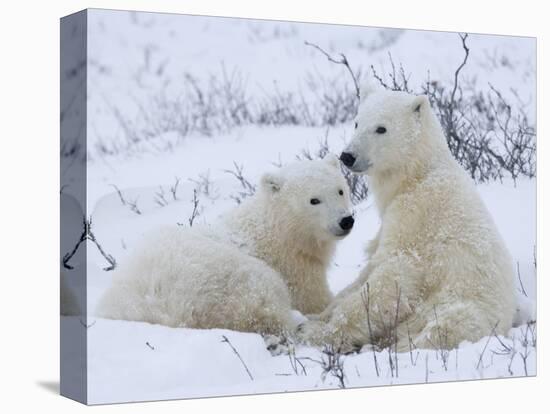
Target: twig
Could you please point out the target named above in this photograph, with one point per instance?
(203, 184)
(160, 197)
(248, 187)
(87, 234)
(294, 361)
(520, 281)
(457, 71)
(411, 344)
(238, 356)
(395, 329)
(442, 347)
(174, 189)
(68, 256)
(131, 204)
(342, 61)
(333, 364)
(110, 259)
(365, 296)
(195, 213)
(486, 344)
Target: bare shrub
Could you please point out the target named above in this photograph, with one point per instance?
(399, 80)
(340, 60)
(204, 185)
(522, 346)
(334, 101)
(160, 197)
(488, 136)
(196, 210)
(248, 189)
(131, 204)
(331, 362)
(87, 234)
(174, 189)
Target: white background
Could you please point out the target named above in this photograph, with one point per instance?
(29, 218)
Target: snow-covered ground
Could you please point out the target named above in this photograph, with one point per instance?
(134, 56)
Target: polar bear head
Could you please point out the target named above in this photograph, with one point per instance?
(310, 198)
(391, 132)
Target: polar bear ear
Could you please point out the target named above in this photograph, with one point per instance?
(368, 88)
(332, 160)
(420, 103)
(272, 182)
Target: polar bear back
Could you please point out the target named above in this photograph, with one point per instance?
(181, 278)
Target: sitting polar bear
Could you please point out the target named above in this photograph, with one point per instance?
(437, 251)
(249, 270)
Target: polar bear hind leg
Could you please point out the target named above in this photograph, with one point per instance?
(448, 327)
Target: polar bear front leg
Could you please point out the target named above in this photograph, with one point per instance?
(390, 294)
(355, 286)
(347, 329)
(370, 312)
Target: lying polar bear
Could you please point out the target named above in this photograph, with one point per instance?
(247, 271)
(437, 253)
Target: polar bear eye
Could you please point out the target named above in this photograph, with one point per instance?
(341, 192)
(315, 201)
(356, 125)
(381, 130)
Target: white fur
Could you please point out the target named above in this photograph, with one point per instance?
(250, 269)
(437, 243)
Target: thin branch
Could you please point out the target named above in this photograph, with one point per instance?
(174, 189)
(332, 363)
(395, 329)
(493, 333)
(160, 197)
(110, 259)
(365, 296)
(195, 213)
(83, 237)
(238, 356)
(125, 202)
(87, 234)
(442, 346)
(342, 61)
(520, 281)
(457, 71)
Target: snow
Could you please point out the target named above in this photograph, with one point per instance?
(132, 361)
(185, 363)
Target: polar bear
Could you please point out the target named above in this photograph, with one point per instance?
(438, 269)
(248, 270)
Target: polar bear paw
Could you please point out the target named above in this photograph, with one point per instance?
(277, 345)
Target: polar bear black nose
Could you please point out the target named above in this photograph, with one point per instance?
(347, 223)
(347, 158)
